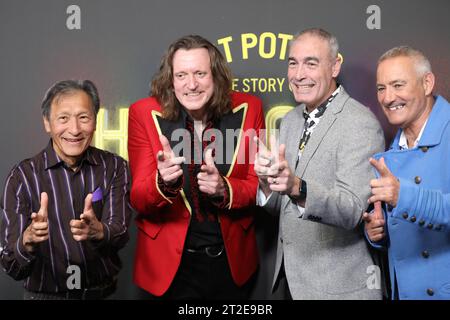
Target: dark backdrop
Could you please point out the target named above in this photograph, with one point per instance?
(120, 44)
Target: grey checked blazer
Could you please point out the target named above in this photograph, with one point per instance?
(324, 251)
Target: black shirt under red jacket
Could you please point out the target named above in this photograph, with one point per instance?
(163, 221)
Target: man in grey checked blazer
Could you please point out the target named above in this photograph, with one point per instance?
(320, 191)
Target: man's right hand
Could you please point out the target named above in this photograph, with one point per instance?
(168, 165)
(264, 159)
(37, 231)
(374, 223)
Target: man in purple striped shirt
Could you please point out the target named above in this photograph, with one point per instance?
(65, 211)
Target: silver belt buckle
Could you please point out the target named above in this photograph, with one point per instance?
(209, 254)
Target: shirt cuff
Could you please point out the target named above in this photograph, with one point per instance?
(261, 199)
(22, 255)
(98, 244)
(172, 191)
(222, 202)
(301, 210)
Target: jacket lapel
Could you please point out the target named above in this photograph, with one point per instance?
(293, 138)
(166, 128)
(322, 128)
(231, 127)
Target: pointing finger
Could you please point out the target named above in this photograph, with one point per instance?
(378, 213)
(282, 152)
(43, 210)
(380, 166)
(209, 160)
(165, 144)
(88, 203)
(273, 144)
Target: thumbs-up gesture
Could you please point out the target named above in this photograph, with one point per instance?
(264, 158)
(168, 165)
(387, 187)
(87, 227)
(282, 179)
(209, 179)
(374, 223)
(37, 231)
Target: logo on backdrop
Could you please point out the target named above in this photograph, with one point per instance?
(265, 46)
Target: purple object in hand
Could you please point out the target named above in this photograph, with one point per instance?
(97, 195)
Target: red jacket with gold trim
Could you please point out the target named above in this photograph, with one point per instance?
(163, 222)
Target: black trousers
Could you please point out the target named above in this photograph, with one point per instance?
(281, 290)
(201, 276)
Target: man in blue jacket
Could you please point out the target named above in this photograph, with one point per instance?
(413, 179)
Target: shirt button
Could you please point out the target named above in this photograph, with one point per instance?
(405, 215)
(425, 254)
(421, 223)
(424, 149)
(281, 240)
(430, 226)
(417, 179)
(413, 219)
(430, 291)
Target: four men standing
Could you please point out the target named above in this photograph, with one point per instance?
(68, 207)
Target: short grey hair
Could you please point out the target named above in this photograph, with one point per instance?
(69, 86)
(421, 62)
(324, 35)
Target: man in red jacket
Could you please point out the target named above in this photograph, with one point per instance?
(193, 185)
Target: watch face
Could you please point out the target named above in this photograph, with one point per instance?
(303, 188)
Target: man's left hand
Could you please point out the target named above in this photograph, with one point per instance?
(87, 227)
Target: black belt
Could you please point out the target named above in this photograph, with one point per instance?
(210, 251)
(95, 293)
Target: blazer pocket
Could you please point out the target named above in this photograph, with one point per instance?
(149, 228)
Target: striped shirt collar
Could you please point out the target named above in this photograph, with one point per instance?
(54, 160)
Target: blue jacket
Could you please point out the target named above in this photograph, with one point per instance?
(418, 228)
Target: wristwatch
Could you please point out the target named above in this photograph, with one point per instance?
(302, 190)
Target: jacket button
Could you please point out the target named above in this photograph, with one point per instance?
(430, 226)
(425, 254)
(405, 215)
(421, 223)
(430, 291)
(424, 149)
(178, 250)
(438, 227)
(413, 219)
(417, 179)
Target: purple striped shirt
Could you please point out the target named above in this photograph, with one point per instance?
(46, 269)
